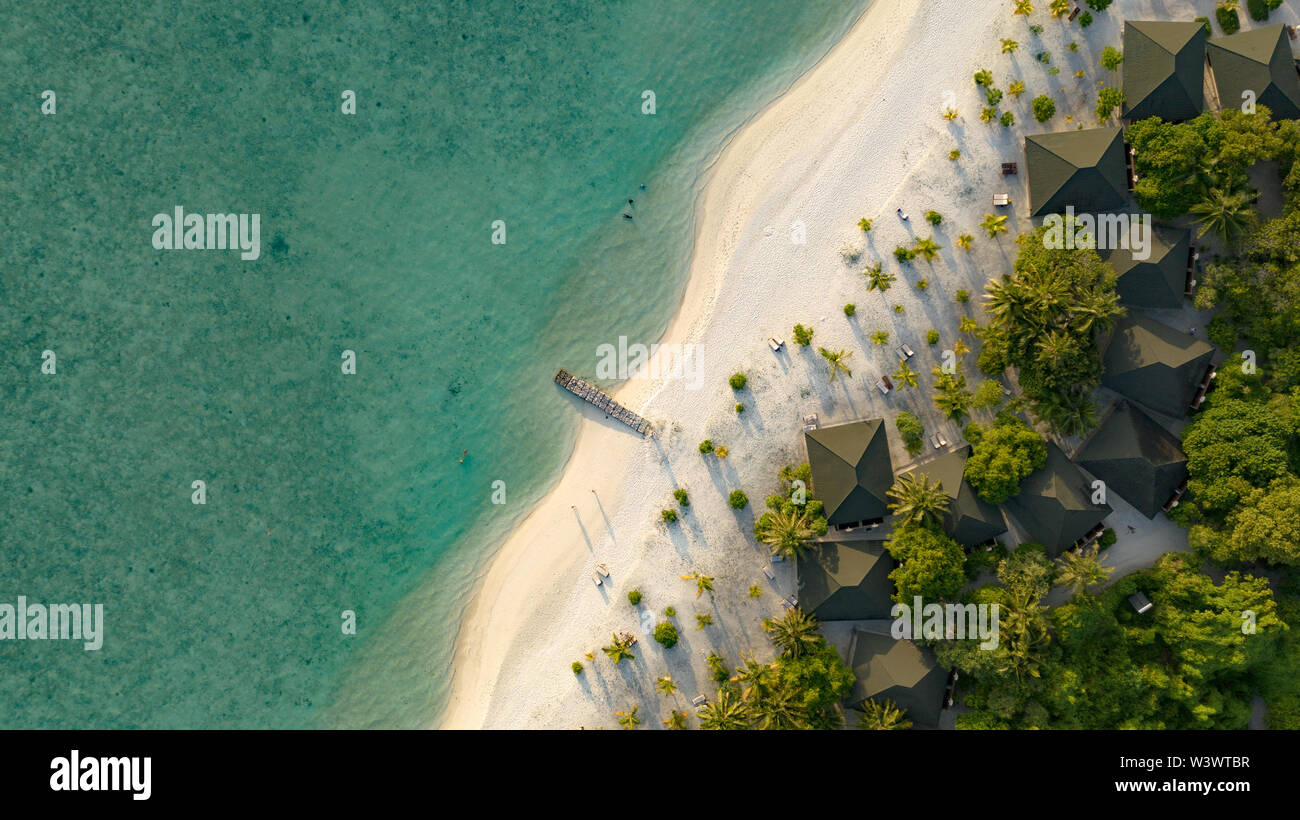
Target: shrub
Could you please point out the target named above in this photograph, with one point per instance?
(1044, 108)
(954, 154)
(1107, 539)
(740, 408)
(576, 667)
(706, 446)
(984, 77)
(1008, 119)
(850, 309)
(1111, 58)
(993, 96)
(666, 634)
(1222, 333)
(1016, 89)
(988, 114)
(922, 284)
(669, 516)
(1108, 99)
(702, 619)
(682, 497)
(738, 500)
(755, 590)
(1085, 20)
(1258, 10)
(670, 611)
(864, 224)
(1228, 18)
(802, 335)
(962, 296)
(932, 336)
(1099, 5)
(904, 255)
(912, 431)
(738, 381)
(934, 218)
(899, 309)
(1036, 29)
(634, 596)
(721, 451)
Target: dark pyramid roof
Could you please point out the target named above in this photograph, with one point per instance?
(897, 670)
(970, 519)
(1085, 169)
(1164, 70)
(846, 581)
(1159, 281)
(851, 470)
(1260, 61)
(1155, 365)
(1136, 457)
(1055, 504)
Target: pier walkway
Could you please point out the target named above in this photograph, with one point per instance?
(611, 408)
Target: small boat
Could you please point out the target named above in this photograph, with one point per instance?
(603, 570)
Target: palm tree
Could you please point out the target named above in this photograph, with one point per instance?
(1094, 310)
(994, 225)
(1230, 5)
(928, 248)
(864, 224)
(727, 712)
(1081, 569)
(1024, 624)
(880, 337)
(883, 715)
(964, 241)
(879, 279)
(754, 679)
(786, 530)
(795, 632)
(628, 720)
(1024, 7)
(779, 709)
(666, 685)
(703, 583)
(676, 720)
(1060, 8)
(968, 325)
(618, 650)
(836, 360)
(1009, 46)
(904, 375)
(1228, 214)
(1054, 348)
(917, 501)
(960, 348)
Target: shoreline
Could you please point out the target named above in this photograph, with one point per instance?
(478, 653)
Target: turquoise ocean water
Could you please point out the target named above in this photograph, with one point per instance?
(325, 492)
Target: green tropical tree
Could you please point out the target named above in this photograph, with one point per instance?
(1009, 46)
(787, 530)
(1079, 569)
(676, 720)
(836, 359)
(795, 632)
(994, 225)
(928, 248)
(1024, 7)
(727, 712)
(917, 501)
(666, 685)
(628, 720)
(904, 376)
(703, 583)
(878, 278)
(883, 715)
(618, 650)
(1227, 214)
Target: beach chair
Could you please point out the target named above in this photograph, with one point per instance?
(595, 576)
(775, 343)
(906, 352)
(603, 570)
(1009, 168)
(943, 442)
(768, 572)
(699, 700)
(934, 441)
(1074, 14)
(811, 422)
(1001, 200)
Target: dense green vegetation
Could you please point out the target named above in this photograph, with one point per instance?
(1002, 455)
(1096, 663)
(1045, 320)
(930, 564)
(793, 517)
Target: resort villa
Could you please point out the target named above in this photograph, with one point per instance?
(1164, 70)
(1085, 170)
(1161, 280)
(1257, 63)
(1137, 458)
(1157, 366)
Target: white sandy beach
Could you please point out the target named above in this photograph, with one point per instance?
(858, 136)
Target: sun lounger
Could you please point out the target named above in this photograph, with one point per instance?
(768, 573)
(1010, 168)
(603, 570)
(1074, 14)
(934, 440)
(1001, 200)
(943, 442)
(811, 422)
(906, 351)
(699, 700)
(595, 576)
(775, 343)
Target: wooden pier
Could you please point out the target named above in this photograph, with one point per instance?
(611, 408)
